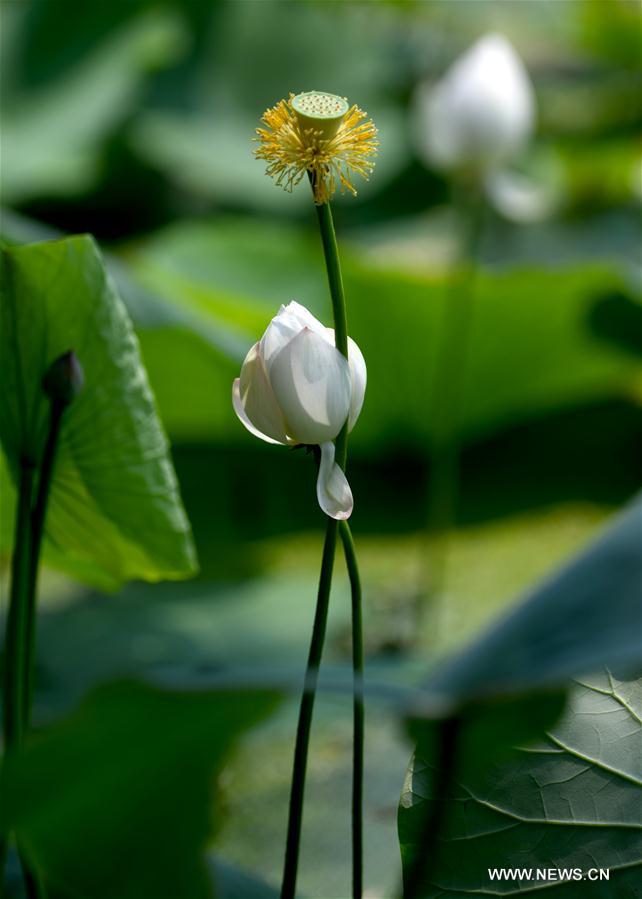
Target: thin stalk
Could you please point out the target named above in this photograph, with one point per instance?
(17, 619)
(335, 281)
(16, 640)
(16, 630)
(21, 622)
(293, 843)
(34, 887)
(358, 714)
(452, 357)
(37, 530)
(425, 861)
(337, 293)
(288, 889)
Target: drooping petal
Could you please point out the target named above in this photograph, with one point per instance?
(311, 382)
(289, 321)
(333, 490)
(520, 198)
(358, 377)
(254, 401)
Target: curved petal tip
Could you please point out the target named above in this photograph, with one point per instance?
(242, 415)
(333, 491)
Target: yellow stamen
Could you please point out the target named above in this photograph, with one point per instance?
(317, 133)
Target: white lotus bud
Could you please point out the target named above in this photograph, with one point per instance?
(480, 113)
(296, 387)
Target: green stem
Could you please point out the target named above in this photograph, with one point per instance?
(288, 888)
(448, 382)
(21, 622)
(34, 887)
(335, 281)
(37, 531)
(425, 861)
(15, 664)
(16, 639)
(358, 710)
(337, 295)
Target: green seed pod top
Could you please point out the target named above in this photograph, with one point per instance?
(320, 111)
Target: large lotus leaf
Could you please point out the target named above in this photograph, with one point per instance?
(117, 798)
(570, 800)
(201, 293)
(149, 311)
(586, 615)
(52, 136)
(492, 798)
(114, 510)
(232, 883)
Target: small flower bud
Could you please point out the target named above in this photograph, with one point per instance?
(296, 388)
(64, 379)
(481, 113)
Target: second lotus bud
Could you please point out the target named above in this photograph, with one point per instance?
(481, 112)
(296, 388)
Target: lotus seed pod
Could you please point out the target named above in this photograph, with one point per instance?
(317, 134)
(320, 111)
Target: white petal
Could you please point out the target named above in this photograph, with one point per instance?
(438, 136)
(240, 411)
(311, 382)
(482, 110)
(254, 401)
(519, 198)
(289, 321)
(358, 378)
(305, 317)
(333, 490)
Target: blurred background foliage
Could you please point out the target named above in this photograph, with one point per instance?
(133, 120)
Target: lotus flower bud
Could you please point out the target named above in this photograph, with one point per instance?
(64, 379)
(481, 112)
(296, 388)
